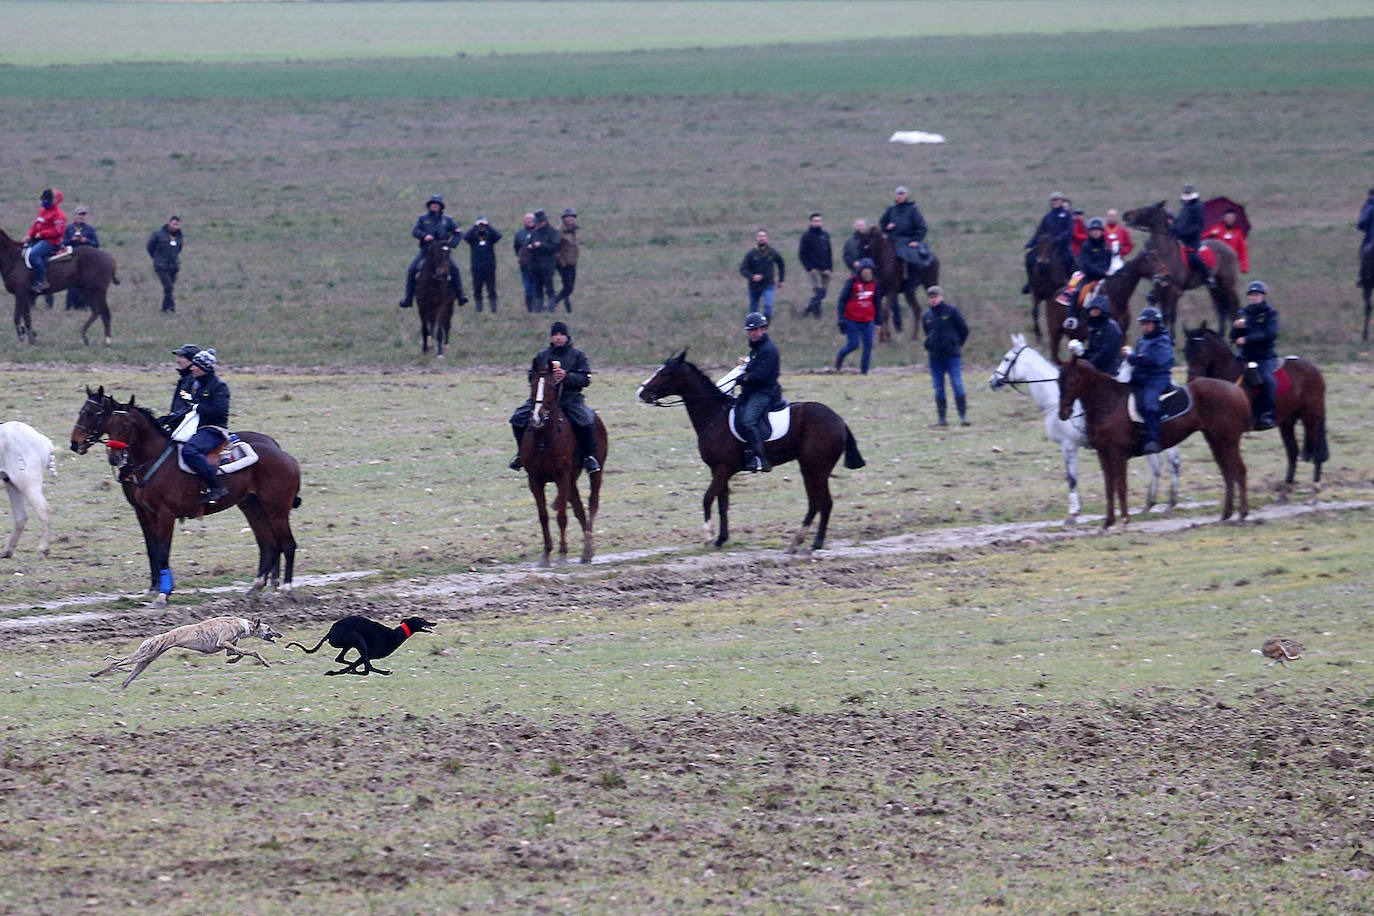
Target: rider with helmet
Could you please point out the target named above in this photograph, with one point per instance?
(574, 372)
(759, 390)
(1255, 331)
(1187, 228)
(1103, 345)
(45, 236)
(1058, 225)
(1150, 364)
(181, 395)
(210, 398)
(1094, 260)
(434, 224)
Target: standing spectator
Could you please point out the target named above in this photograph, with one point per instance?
(566, 260)
(164, 246)
(542, 244)
(1232, 235)
(946, 332)
(857, 246)
(1366, 225)
(482, 239)
(525, 258)
(857, 308)
(79, 234)
(1058, 225)
(906, 228)
(45, 236)
(818, 260)
(757, 268)
(433, 224)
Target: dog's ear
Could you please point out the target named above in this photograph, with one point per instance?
(256, 622)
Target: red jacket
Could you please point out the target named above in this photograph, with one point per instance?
(1117, 233)
(51, 223)
(857, 300)
(1080, 234)
(1233, 236)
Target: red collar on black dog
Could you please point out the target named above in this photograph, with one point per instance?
(406, 630)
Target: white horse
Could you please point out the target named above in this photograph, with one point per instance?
(1024, 366)
(24, 452)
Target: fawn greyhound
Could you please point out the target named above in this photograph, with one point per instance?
(213, 635)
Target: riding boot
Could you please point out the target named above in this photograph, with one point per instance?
(519, 431)
(961, 404)
(940, 405)
(586, 446)
(409, 298)
(214, 490)
(897, 317)
(759, 447)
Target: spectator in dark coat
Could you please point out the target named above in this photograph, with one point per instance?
(525, 258)
(857, 246)
(906, 229)
(542, 242)
(1366, 225)
(817, 260)
(946, 332)
(566, 261)
(482, 239)
(79, 234)
(758, 268)
(164, 247)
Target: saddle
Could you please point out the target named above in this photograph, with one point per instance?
(1174, 402)
(777, 421)
(1206, 255)
(233, 455)
(59, 254)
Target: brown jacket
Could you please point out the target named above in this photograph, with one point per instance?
(567, 250)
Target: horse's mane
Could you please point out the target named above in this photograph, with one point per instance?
(705, 379)
(152, 419)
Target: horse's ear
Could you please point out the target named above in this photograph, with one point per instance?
(131, 399)
(680, 357)
(1018, 340)
(1201, 327)
(1160, 205)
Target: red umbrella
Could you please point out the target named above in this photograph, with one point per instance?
(1214, 209)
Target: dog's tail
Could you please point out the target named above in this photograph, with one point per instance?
(308, 651)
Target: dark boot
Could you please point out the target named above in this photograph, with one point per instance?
(493, 305)
(961, 404)
(940, 405)
(515, 463)
(756, 456)
(586, 446)
(409, 299)
(214, 491)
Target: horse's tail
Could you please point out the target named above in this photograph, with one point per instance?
(309, 651)
(296, 503)
(1314, 448)
(852, 459)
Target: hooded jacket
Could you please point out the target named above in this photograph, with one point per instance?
(51, 223)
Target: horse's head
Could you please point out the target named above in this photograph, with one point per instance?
(1044, 248)
(1150, 217)
(666, 381)
(543, 391)
(437, 253)
(1075, 375)
(123, 430)
(90, 422)
(1204, 350)
(1002, 374)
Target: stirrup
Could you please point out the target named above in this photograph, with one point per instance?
(591, 465)
(516, 464)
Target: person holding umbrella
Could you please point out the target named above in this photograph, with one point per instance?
(1230, 231)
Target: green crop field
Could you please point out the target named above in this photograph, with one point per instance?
(959, 706)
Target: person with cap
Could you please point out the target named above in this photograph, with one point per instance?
(542, 243)
(1094, 260)
(1255, 331)
(1187, 228)
(482, 239)
(1229, 231)
(79, 234)
(1102, 347)
(818, 260)
(433, 224)
(164, 247)
(759, 391)
(1150, 361)
(905, 227)
(210, 398)
(945, 331)
(758, 268)
(181, 395)
(1058, 225)
(45, 236)
(574, 372)
(857, 246)
(524, 257)
(566, 259)
(857, 307)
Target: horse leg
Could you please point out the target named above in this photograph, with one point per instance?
(560, 502)
(818, 499)
(1150, 495)
(262, 532)
(160, 530)
(1174, 464)
(21, 517)
(1035, 317)
(719, 490)
(104, 306)
(537, 488)
(1288, 433)
(1107, 463)
(1368, 307)
(1070, 451)
(575, 497)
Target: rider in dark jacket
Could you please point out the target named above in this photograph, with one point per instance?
(906, 229)
(1103, 345)
(1187, 228)
(1094, 260)
(434, 224)
(574, 373)
(1058, 225)
(1150, 365)
(1255, 331)
(759, 390)
(210, 397)
(181, 395)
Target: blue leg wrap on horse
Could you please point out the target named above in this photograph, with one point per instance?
(167, 582)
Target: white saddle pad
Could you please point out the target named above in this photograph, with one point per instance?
(779, 420)
(236, 456)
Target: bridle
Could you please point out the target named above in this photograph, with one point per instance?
(682, 399)
(94, 436)
(1004, 377)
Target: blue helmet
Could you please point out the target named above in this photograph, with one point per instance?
(1150, 313)
(755, 320)
(1257, 287)
(435, 199)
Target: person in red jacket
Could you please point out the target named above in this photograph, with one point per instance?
(46, 236)
(1232, 235)
(857, 301)
(1118, 238)
(1080, 228)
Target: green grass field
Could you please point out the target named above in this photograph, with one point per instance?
(1000, 721)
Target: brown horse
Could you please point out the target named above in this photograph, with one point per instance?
(93, 269)
(434, 297)
(1047, 278)
(1155, 220)
(548, 452)
(161, 493)
(1118, 288)
(1219, 410)
(1303, 398)
(815, 439)
(889, 274)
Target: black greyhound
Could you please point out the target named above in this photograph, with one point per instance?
(371, 639)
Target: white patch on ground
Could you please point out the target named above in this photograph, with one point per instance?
(915, 136)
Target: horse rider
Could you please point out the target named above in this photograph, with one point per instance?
(1058, 225)
(1103, 345)
(1151, 361)
(759, 390)
(574, 372)
(45, 236)
(210, 398)
(181, 395)
(1187, 228)
(434, 224)
(906, 228)
(1255, 331)
(1094, 260)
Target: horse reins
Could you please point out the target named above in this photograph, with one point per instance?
(1005, 376)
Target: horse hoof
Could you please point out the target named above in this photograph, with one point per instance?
(1070, 521)
(160, 601)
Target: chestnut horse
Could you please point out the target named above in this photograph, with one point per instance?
(434, 297)
(548, 452)
(1220, 410)
(1303, 399)
(815, 439)
(161, 493)
(1119, 288)
(93, 269)
(1155, 220)
(888, 316)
